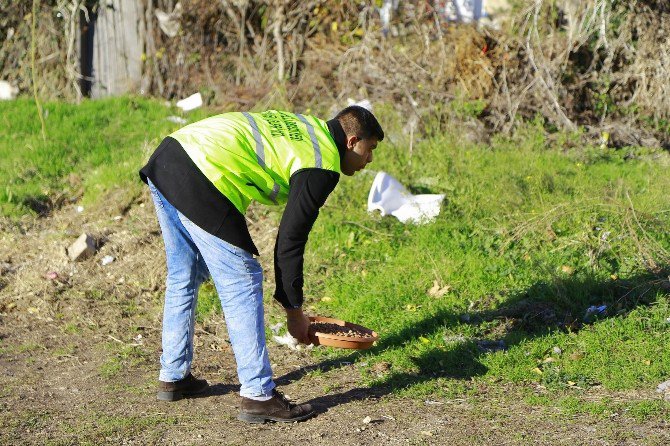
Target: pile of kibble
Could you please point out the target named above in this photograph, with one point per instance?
(338, 330)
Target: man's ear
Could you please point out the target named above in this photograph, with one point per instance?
(351, 141)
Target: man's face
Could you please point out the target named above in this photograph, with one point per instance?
(358, 154)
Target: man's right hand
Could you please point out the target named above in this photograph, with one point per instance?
(298, 325)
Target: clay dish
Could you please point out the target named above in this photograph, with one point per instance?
(341, 334)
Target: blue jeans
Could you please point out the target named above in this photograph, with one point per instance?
(192, 255)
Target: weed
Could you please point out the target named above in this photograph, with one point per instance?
(209, 303)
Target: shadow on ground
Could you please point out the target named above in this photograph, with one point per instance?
(545, 307)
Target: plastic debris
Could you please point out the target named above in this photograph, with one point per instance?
(367, 420)
(169, 22)
(176, 120)
(107, 260)
(80, 209)
(287, 340)
(51, 275)
(365, 103)
(385, 14)
(190, 103)
(276, 327)
(8, 91)
(557, 350)
(390, 197)
(594, 311)
(465, 11)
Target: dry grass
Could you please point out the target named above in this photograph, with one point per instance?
(598, 64)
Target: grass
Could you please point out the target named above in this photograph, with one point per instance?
(123, 358)
(528, 239)
(531, 234)
(91, 149)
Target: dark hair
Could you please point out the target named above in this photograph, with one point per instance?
(359, 121)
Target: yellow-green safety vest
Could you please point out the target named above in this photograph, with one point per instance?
(251, 156)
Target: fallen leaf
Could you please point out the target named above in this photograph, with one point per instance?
(427, 433)
(424, 340)
(537, 370)
(437, 290)
(567, 269)
(549, 359)
(571, 383)
(326, 299)
(410, 307)
(576, 356)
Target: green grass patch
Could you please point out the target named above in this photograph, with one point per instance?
(91, 150)
(532, 233)
(104, 427)
(122, 357)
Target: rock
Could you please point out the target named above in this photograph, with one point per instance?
(664, 388)
(82, 248)
(488, 346)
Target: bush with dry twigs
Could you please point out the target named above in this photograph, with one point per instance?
(595, 66)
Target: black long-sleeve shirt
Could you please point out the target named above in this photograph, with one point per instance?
(181, 182)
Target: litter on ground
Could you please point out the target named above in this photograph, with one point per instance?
(390, 197)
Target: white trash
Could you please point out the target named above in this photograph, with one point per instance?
(177, 120)
(390, 197)
(190, 103)
(287, 340)
(169, 22)
(365, 103)
(7, 91)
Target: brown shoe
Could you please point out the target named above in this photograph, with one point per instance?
(277, 408)
(173, 391)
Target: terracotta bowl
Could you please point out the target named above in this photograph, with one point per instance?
(333, 340)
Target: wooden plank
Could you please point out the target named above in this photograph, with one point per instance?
(118, 44)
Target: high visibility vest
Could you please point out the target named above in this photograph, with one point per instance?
(251, 156)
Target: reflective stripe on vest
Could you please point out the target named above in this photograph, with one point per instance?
(315, 142)
(260, 153)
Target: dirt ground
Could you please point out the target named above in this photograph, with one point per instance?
(79, 356)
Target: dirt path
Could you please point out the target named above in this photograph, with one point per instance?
(79, 356)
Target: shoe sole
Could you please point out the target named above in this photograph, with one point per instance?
(177, 395)
(259, 419)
